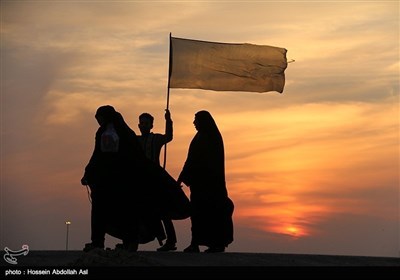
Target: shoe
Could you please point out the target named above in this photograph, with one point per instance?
(192, 249)
(167, 247)
(90, 246)
(128, 246)
(131, 246)
(119, 246)
(217, 249)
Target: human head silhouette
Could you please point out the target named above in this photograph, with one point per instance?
(204, 122)
(105, 114)
(145, 123)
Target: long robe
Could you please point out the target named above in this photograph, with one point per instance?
(204, 173)
(129, 192)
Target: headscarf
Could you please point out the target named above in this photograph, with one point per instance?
(107, 112)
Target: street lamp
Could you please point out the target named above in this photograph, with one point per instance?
(66, 245)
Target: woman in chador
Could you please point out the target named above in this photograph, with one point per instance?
(111, 174)
(204, 174)
(129, 193)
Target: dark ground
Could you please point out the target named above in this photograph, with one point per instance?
(178, 265)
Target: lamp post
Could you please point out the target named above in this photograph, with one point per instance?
(66, 245)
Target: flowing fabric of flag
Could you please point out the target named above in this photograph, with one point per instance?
(225, 66)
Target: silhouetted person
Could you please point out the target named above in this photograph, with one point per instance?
(113, 175)
(152, 144)
(204, 173)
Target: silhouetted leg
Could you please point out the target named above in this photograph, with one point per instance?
(98, 217)
(170, 231)
(170, 244)
(194, 243)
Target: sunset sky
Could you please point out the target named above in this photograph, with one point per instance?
(313, 170)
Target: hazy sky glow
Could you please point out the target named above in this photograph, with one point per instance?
(312, 170)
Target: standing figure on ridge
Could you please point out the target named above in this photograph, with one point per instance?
(152, 144)
(113, 174)
(204, 173)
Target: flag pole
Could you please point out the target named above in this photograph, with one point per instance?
(167, 106)
(169, 68)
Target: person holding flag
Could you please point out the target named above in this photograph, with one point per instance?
(152, 144)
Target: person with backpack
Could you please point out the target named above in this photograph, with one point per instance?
(113, 175)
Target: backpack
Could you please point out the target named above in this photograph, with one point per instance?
(109, 140)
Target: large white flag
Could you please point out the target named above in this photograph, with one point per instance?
(226, 67)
